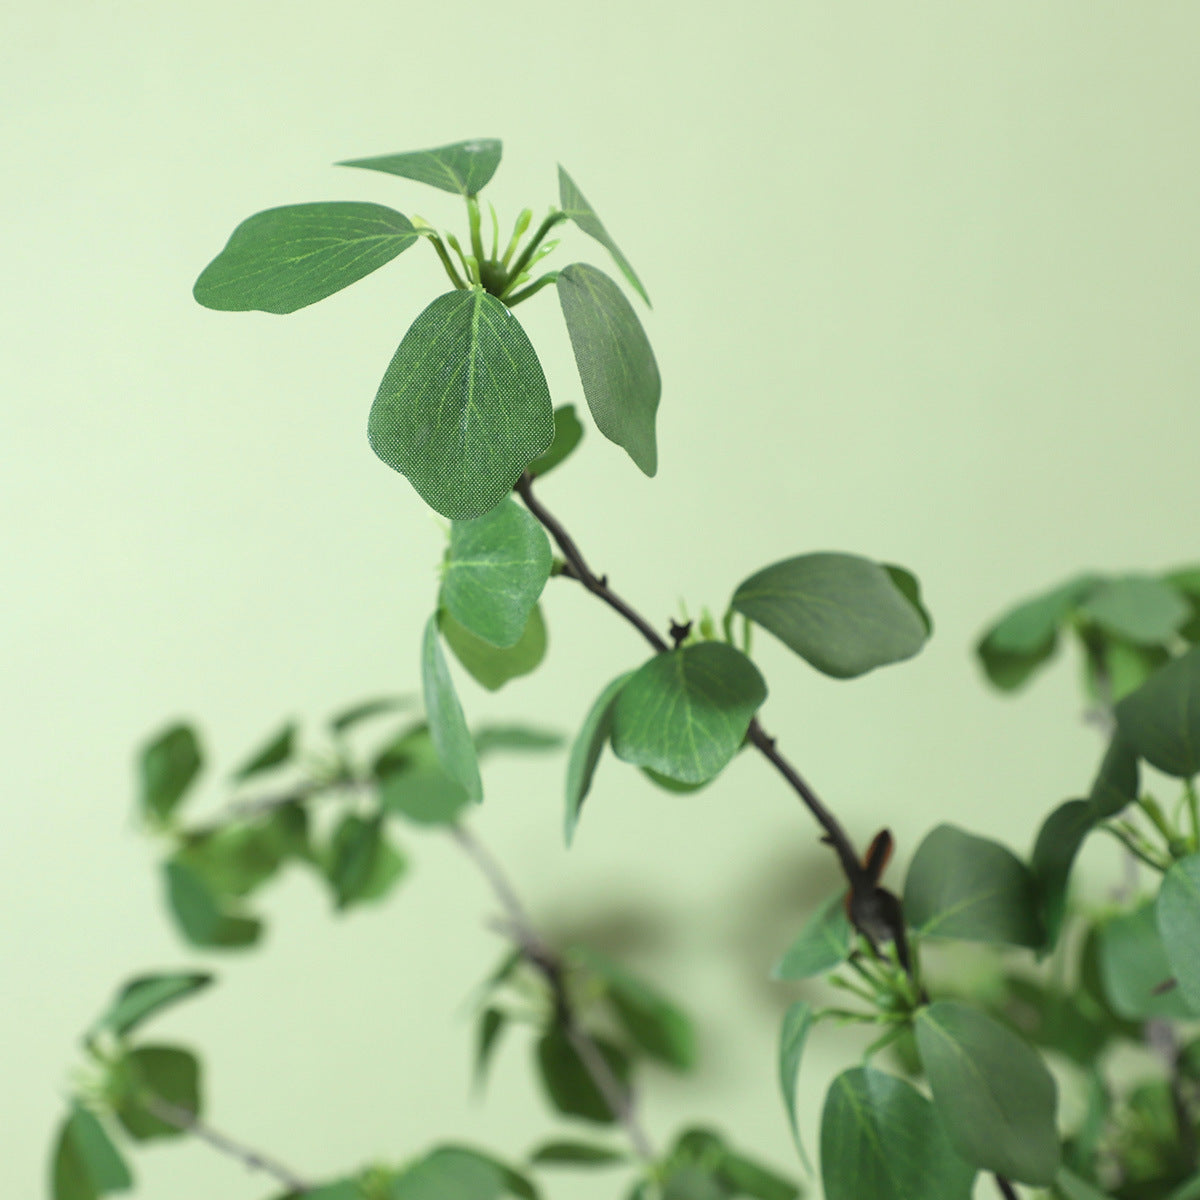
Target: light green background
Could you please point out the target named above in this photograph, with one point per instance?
(926, 287)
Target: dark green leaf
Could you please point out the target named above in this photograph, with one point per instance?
(1161, 720)
(1064, 1021)
(685, 712)
(286, 258)
(693, 1183)
(749, 1178)
(519, 739)
(992, 1092)
(656, 1025)
(586, 751)
(673, 785)
(449, 1174)
(1058, 841)
(577, 1154)
(167, 1074)
(202, 918)
(235, 859)
(568, 1085)
(1027, 636)
(963, 886)
(1116, 667)
(489, 665)
(513, 1182)
(575, 205)
(842, 614)
(170, 763)
(463, 408)
(823, 944)
(424, 794)
(447, 725)
(278, 750)
(492, 1023)
(1138, 608)
(362, 866)
(616, 364)
(143, 997)
(1178, 913)
(86, 1164)
(793, 1033)
(880, 1138)
(568, 433)
(910, 589)
(1189, 1190)
(495, 569)
(463, 167)
(358, 713)
(1117, 781)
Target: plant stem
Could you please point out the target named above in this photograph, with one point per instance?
(532, 290)
(442, 253)
(186, 1120)
(540, 956)
(1006, 1188)
(576, 568)
(476, 221)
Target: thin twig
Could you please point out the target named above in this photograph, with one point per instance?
(253, 1160)
(1006, 1188)
(538, 954)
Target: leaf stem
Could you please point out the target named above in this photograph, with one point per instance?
(555, 217)
(532, 290)
(1006, 1188)
(543, 959)
(254, 1160)
(476, 221)
(436, 242)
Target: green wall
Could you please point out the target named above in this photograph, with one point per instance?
(925, 282)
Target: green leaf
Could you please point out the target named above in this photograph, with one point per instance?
(963, 886)
(992, 1092)
(685, 712)
(586, 751)
(513, 1182)
(492, 1023)
(1058, 841)
(568, 1085)
(749, 1178)
(842, 614)
(201, 917)
(567, 1153)
(1161, 720)
(1178, 913)
(449, 1174)
(1189, 1190)
(881, 1138)
(463, 407)
(1117, 782)
(463, 167)
(568, 433)
(1070, 1186)
(673, 785)
(491, 666)
(170, 763)
(793, 1033)
(235, 859)
(287, 258)
(362, 866)
(1063, 1021)
(519, 739)
(164, 1073)
(575, 206)
(616, 364)
(656, 1025)
(278, 749)
(424, 794)
(1138, 608)
(1115, 667)
(693, 1183)
(447, 725)
(86, 1164)
(495, 569)
(824, 943)
(910, 589)
(143, 997)
(348, 718)
(1027, 636)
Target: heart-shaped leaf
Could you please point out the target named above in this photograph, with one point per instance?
(685, 712)
(463, 407)
(287, 258)
(843, 614)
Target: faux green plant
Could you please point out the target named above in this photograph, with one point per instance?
(955, 1083)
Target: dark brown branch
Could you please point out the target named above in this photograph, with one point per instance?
(1006, 1188)
(542, 958)
(187, 1120)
